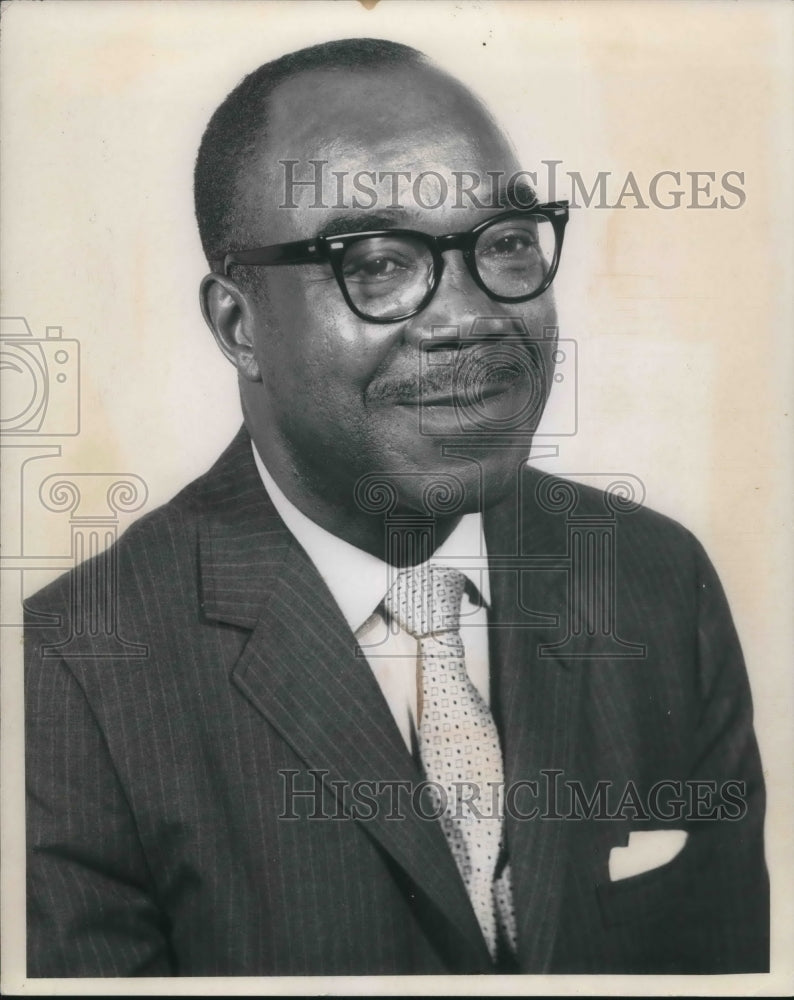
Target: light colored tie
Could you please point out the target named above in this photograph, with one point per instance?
(458, 742)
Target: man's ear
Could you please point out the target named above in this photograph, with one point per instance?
(227, 313)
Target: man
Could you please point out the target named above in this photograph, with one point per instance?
(372, 696)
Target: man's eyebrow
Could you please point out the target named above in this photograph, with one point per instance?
(517, 194)
(360, 222)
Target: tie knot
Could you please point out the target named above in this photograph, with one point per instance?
(426, 599)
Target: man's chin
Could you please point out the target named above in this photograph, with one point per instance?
(469, 476)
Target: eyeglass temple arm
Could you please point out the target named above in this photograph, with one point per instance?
(304, 251)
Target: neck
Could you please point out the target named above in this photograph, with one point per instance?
(401, 540)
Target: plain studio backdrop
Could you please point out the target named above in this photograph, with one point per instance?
(678, 318)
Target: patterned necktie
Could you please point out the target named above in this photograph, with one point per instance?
(458, 742)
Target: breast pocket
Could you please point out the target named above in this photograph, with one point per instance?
(652, 894)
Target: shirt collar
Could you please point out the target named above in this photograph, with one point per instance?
(357, 580)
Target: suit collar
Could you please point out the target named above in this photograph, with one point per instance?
(304, 672)
(242, 540)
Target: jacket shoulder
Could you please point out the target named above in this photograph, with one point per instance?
(161, 535)
(156, 557)
(549, 499)
(654, 556)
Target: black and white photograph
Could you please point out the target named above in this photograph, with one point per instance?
(397, 471)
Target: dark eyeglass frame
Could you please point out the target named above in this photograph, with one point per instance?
(332, 249)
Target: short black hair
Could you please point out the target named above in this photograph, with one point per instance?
(239, 125)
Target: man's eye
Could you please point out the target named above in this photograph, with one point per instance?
(374, 268)
(510, 245)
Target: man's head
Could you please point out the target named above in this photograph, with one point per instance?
(330, 396)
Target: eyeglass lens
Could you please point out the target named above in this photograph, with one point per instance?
(391, 275)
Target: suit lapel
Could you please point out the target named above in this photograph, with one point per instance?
(304, 672)
(536, 703)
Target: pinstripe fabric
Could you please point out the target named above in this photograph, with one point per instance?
(155, 783)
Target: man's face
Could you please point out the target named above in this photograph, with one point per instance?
(340, 397)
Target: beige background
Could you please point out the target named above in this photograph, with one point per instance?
(682, 318)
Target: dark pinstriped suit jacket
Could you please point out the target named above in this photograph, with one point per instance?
(155, 784)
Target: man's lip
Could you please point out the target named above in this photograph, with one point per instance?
(466, 396)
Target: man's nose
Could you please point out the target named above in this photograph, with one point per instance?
(461, 311)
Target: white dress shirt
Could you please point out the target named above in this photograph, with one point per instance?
(358, 583)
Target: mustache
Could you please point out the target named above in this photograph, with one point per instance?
(463, 369)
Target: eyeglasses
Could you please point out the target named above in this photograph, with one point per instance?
(387, 275)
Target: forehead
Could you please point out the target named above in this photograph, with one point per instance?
(404, 132)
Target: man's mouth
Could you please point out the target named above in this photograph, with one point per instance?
(466, 391)
(463, 380)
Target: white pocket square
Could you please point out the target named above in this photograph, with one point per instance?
(646, 850)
